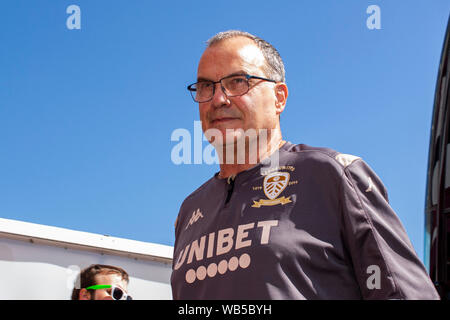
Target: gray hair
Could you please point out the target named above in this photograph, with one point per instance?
(274, 67)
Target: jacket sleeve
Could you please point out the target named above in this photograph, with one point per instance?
(385, 263)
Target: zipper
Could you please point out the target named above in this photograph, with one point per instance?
(230, 182)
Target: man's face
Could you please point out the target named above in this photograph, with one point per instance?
(106, 279)
(257, 109)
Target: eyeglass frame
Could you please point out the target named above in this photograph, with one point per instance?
(125, 296)
(247, 77)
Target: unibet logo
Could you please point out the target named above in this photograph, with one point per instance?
(219, 243)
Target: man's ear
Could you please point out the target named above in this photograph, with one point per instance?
(281, 94)
(84, 295)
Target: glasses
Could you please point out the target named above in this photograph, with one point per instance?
(116, 292)
(232, 86)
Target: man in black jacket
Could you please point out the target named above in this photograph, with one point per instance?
(282, 221)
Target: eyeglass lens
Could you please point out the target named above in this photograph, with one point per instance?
(233, 86)
(117, 293)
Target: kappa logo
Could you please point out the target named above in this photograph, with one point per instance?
(273, 185)
(195, 216)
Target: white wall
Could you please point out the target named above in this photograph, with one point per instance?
(33, 268)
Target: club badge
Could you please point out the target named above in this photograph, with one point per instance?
(273, 185)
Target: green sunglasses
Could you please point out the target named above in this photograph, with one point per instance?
(116, 292)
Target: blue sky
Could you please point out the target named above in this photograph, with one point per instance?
(86, 116)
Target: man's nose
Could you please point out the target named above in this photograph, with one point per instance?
(219, 99)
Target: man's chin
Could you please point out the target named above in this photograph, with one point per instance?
(230, 137)
(223, 134)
